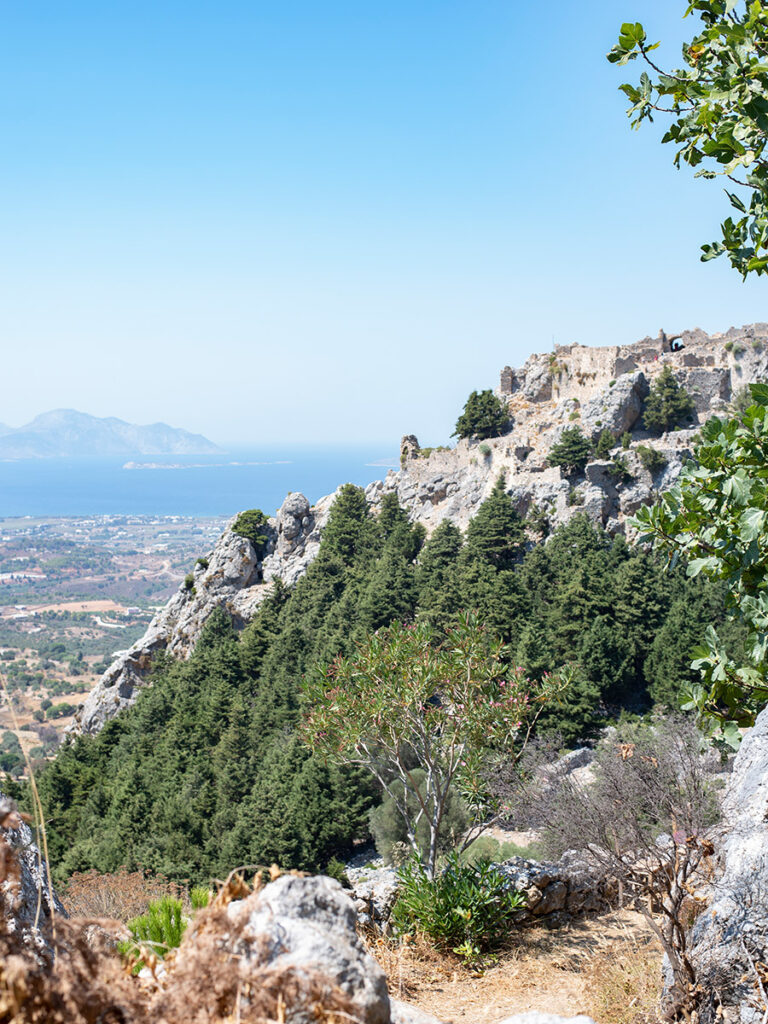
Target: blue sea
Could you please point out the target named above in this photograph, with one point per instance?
(194, 485)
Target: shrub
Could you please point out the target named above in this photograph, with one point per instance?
(121, 894)
(202, 562)
(740, 402)
(338, 870)
(651, 458)
(189, 583)
(575, 497)
(486, 848)
(667, 403)
(485, 415)
(572, 452)
(537, 521)
(618, 470)
(200, 896)
(605, 443)
(251, 525)
(626, 439)
(159, 930)
(466, 907)
(485, 450)
(648, 780)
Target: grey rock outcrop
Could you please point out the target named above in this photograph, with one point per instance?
(309, 923)
(374, 890)
(729, 939)
(595, 388)
(617, 408)
(235, 579)
(28, 903)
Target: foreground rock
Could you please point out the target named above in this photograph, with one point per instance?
(27, 902)
(537, 1017)
(304, 925)
(729, 941)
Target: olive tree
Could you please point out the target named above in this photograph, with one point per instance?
(716, 519)
(717, 103)
(408, 701)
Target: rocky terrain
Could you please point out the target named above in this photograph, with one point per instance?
(300, 932)
(595, 388)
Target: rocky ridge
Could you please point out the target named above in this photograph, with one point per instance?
(595, 388)
(235, 578)
(729, 940)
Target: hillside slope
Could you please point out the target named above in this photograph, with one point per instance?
(597, 389)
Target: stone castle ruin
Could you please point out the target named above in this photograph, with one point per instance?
(596, 389)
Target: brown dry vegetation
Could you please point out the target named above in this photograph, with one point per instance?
(120, 895)
(607, 967)
(204, 982)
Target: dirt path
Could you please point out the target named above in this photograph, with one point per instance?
(591, 967)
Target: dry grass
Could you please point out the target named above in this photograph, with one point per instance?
(121, 895)
(209, 980)
(608, 968)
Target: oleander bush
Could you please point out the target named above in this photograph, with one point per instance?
(466, 907)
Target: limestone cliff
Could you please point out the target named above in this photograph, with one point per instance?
(595, 388)
(235, 579)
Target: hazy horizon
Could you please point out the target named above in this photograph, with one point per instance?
(298, 224)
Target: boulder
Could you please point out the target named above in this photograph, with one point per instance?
(27, 901)
(374, 890)
(402, 1013)
(729, 940)
(616, 408)
(309, 924)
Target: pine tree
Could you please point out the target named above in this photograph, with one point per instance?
(605, 444)
(572, 452)
(351, 532)
(484, 416)
(390, 593)
(496, 534)
(667, 405)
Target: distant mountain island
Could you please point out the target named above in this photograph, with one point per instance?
(68, 433)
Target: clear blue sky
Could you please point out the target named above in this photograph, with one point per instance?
(331, 221)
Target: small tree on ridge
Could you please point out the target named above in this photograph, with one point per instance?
(484, 416)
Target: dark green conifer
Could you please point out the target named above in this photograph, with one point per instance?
(667, 405)
(496, 534)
